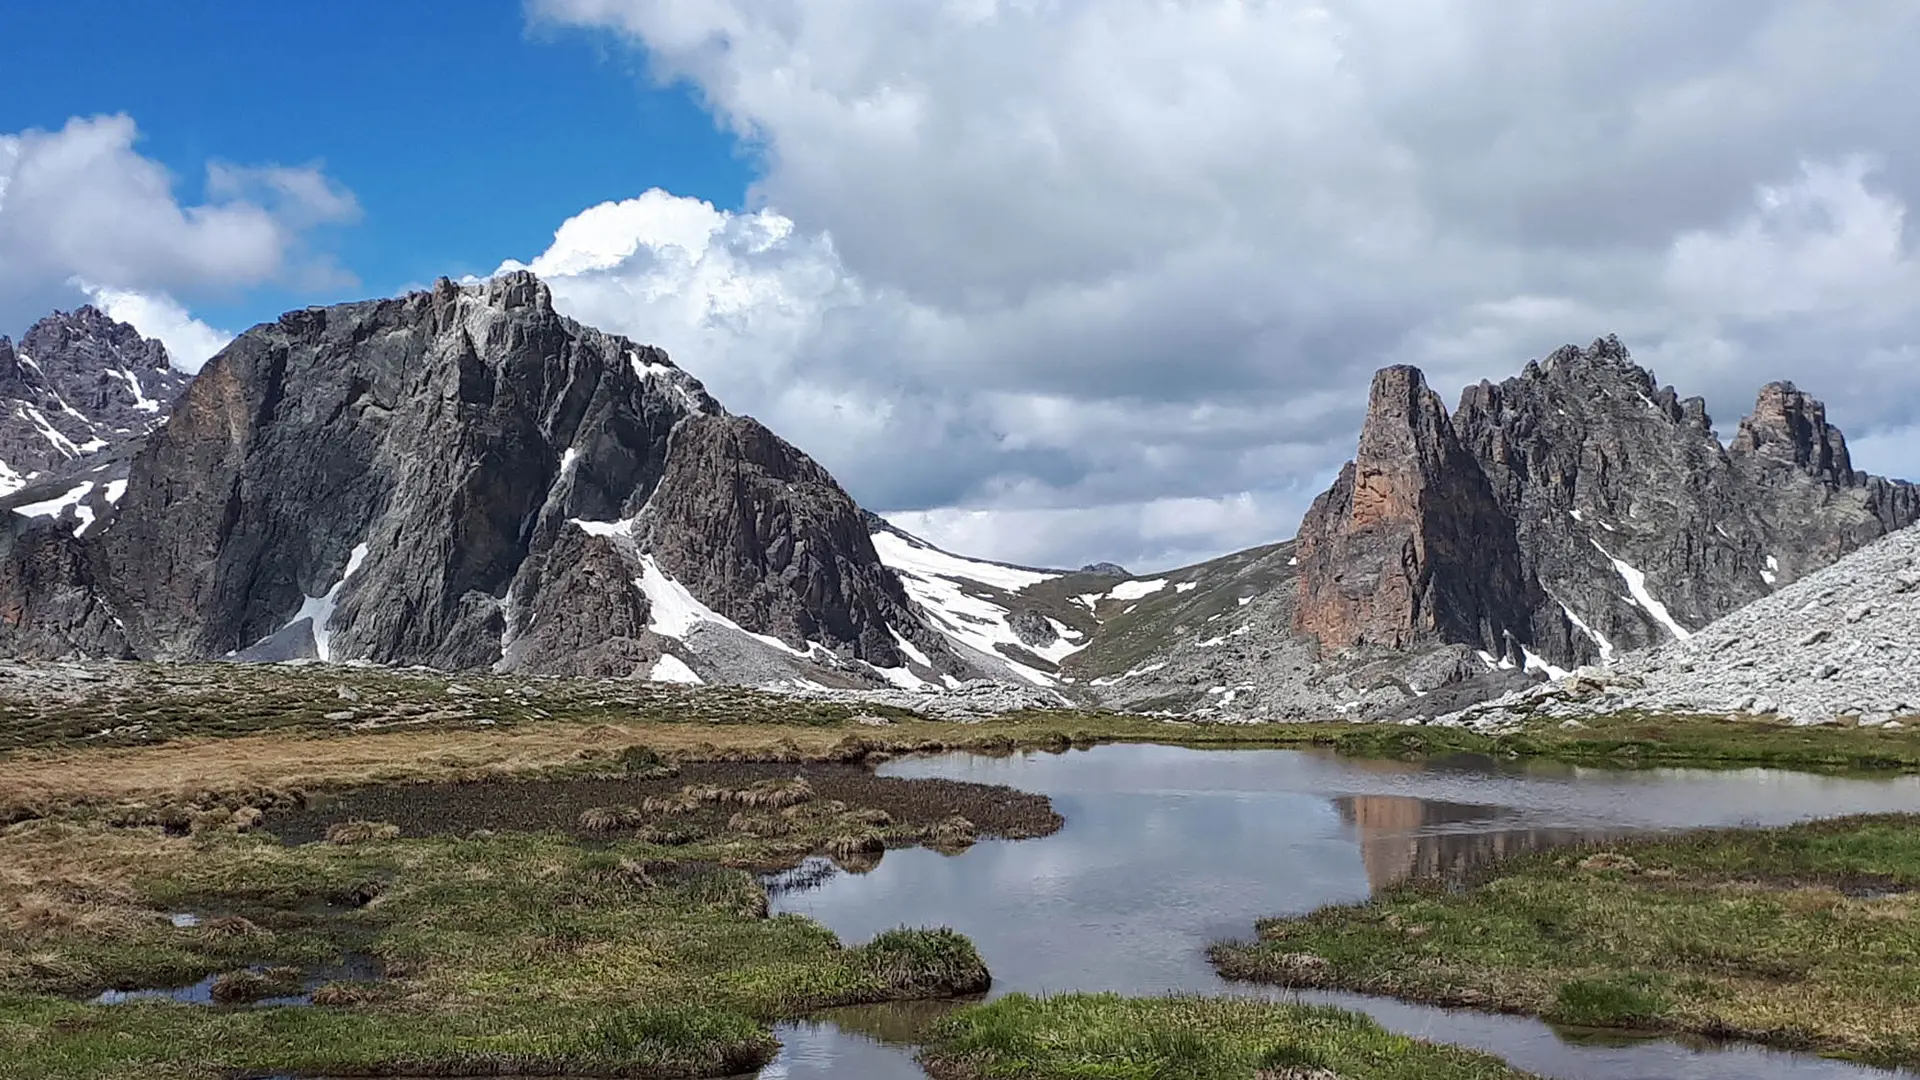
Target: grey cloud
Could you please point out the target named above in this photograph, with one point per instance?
(1051, 272)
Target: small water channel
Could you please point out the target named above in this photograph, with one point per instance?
(1167, 849)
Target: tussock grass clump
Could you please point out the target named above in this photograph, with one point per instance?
(682, 802)
(666, 837)
(644, 762)
(361, 832)
(1074, 1036)
(245, 987)
(762, 826)
(673, 1041)
(953, 834)
(923, 963)
(817, 809)
(617, 870)
(606, 819)
(209, 820)
(230, 926)
(774, 794)
(860, 843)
(1621, 1002)
(341, 995)
(733, 891)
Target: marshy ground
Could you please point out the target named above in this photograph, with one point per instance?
(514, 934)
(484, 876)
(697, 802)
(1805, 937)
(1083, 1036)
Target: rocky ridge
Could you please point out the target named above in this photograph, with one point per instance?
(463, 478)
(1578, 509)
(1838, 644)
(76, 384)
(78, 393)
(1567, 516)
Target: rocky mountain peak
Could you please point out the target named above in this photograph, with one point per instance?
(1410, 545)
(463, 477)
(1633, 524)
(78, 383)
(1789, 427)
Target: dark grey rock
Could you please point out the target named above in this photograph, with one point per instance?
(76, 384)
(1594, 461)
(1032, 628)
(416, 472)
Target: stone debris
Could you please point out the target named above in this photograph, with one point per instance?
(1838, 645)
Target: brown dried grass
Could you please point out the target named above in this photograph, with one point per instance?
(36, 782)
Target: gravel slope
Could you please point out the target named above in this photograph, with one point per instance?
(1841, 643)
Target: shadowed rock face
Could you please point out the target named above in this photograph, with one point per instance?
(1409, 546)
(463, 478)
(1631, 524)
(774, 540)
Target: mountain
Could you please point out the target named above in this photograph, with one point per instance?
(1411, 545)
(76, 389)
(464, 478)
(1602, 513)
(1017, 614)
(1565, 516)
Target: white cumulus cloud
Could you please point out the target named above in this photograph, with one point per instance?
(82, 203)
(1009, 261)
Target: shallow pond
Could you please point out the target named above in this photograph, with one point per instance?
(1167, 849)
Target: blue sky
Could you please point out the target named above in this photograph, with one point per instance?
(465, 135)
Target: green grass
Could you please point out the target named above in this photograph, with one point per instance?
(1107, 1037)
(505, 954)
(1804, 937)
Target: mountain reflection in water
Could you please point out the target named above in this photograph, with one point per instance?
(1403, 837)
(1167, 849)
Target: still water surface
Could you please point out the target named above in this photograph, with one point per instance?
(1167, 849)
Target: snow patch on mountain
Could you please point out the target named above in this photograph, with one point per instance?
(671, 669)
(960, 598)
(1135, 590)
(1640, 596)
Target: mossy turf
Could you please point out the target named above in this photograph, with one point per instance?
(1107, 1037)
(504, 953)
(1804, 937)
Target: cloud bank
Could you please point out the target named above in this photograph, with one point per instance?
(1058, 280)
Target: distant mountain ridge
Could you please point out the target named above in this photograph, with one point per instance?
(78, 383)
(1577, 509)
(465, 478)
(1567, 515)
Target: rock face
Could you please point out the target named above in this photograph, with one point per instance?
(773, 540)
(1410, 547)
(1630, 522)
(465, 478)
(1839, 643)
(76, 384)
